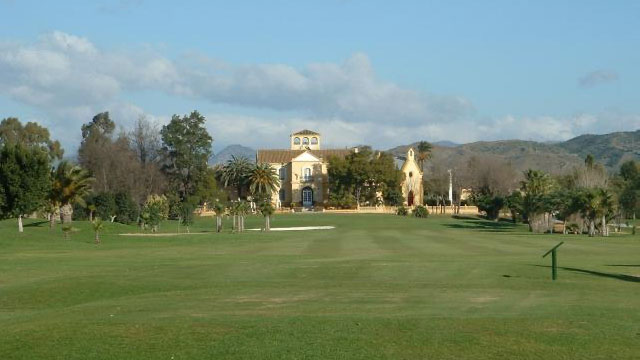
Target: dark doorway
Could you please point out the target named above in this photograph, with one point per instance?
(307, 197)
(410, 198)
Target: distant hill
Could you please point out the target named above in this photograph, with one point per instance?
(233, 150)
(445, 143)
(609, 149)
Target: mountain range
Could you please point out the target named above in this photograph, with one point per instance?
(236, 150)
(611, 150)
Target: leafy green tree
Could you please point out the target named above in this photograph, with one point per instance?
(364, 174)
(489, 203)
(514, 203)
(236, 172)
(187, 148)
(186, 214)
(630, 171)
(629, 188)
(564, 205)
(101, 125)
(630, 199)
(207, 190)
(24, 181)
(71, 184)
(393, 197)
(31, 135)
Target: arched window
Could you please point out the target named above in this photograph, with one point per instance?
(314, 141)
(306, 174)
(283, 173)
(305, 141)
(296, 141)
(282, 194)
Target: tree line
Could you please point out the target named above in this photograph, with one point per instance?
(143, 175)
(586, 199)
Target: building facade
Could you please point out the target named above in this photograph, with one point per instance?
(412, 186)
(304, 180)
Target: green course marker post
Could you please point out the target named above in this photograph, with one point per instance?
(554, 260)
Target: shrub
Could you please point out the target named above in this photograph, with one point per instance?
(126, 208)
(402, 211)
(573, 228)
(155, 210)
(186, 214)
(420, 211)
(342, 200)
(490, 204)
(105, 205)
(393, 197)
(80, 212)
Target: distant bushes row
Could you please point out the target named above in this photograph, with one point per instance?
(419, 211)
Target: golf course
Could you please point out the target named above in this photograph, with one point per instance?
(372, 287)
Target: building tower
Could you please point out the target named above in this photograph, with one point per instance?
(305, 140)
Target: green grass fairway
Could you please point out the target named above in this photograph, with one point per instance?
(376, 287)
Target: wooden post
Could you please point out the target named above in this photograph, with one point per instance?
(554, 260)
(554, 265)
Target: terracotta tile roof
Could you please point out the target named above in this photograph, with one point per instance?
(306, 132)
(285, 156)
(276, 156)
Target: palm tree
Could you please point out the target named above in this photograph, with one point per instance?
(97, 227)
(92, 208)
(267, 210)
(263, 180)
(234, 215)
(51, 208)
(595, 204)
(218, 209)
(71, 184)
(241, 209)
(424, 153)
(236, 173)
(536, 187)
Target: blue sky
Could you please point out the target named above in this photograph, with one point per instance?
(383, 73)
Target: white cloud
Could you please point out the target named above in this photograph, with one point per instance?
(597, 77)
(68, 79)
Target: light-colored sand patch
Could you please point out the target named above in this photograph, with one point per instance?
(299, 228)
(163, 234)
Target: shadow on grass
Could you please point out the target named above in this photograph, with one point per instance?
(622, 277)
(36, 224)
(475, 223)
(624, 265)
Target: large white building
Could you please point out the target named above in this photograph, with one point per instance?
(304, 179)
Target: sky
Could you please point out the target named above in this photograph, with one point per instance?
(383, 73)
